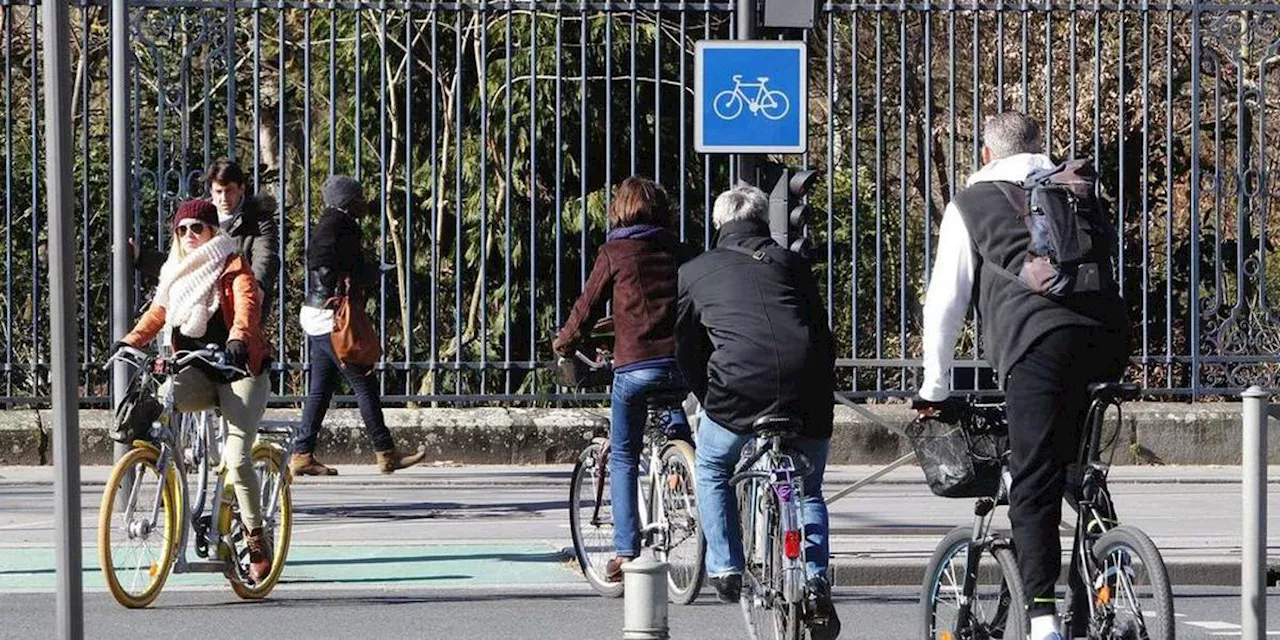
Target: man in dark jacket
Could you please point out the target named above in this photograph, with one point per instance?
(250, 219)
(753, 342)
(1046, 353)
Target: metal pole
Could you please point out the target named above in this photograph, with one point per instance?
(121, 203)
(62, 316)
(1253, 559)
(747, 31)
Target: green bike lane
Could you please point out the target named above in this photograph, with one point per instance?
(436, 564)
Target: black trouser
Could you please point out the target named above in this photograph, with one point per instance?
(1046, 400)
(325, 373)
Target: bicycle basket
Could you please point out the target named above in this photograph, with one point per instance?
(135, 413)
(574, 373)
(960, 460)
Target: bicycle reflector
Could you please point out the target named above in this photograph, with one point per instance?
(791, 544)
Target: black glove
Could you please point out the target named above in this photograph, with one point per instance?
(237, 354)
(948, 410)
(119, 346)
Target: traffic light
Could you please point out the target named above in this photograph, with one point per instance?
(788, 214)
(799, 213)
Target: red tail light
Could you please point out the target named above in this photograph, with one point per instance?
(791, 545)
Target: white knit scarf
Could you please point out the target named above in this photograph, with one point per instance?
(187, 288)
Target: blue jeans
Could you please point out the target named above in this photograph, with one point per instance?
(629, 412)
(719, 450)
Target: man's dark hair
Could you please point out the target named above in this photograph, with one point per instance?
(226, 171)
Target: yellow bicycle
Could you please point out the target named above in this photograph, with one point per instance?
(148, 518)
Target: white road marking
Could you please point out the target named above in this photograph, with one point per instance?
(1213, 625)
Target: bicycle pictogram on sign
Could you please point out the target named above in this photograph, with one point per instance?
(773, 105)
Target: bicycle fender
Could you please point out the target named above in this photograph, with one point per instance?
(143, 444)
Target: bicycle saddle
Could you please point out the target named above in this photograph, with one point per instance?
(762, 79)
(777, 425)
(664, 400)
(1112, 391)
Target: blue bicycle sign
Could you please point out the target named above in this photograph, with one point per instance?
(750, 96)
(773, 105)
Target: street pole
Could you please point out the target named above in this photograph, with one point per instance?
(62, 315)
(747, 26)
(121, 205)
(1253, 559)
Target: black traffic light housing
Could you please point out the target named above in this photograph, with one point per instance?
(789, 215)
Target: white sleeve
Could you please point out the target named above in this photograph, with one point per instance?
(946, 303)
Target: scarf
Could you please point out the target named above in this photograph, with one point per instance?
(187, 288)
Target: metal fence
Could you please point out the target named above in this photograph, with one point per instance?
(489, 135)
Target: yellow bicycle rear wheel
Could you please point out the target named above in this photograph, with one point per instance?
(277, 511)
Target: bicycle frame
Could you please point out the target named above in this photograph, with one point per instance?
(761, 99)
(652, 531)
(1094, 507)
(771, 467)
(983, 516)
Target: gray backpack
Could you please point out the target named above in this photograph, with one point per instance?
(1072, 243)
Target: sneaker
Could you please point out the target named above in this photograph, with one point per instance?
(824, 623)
(728, 587)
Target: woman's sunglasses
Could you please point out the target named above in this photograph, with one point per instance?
(195, 228)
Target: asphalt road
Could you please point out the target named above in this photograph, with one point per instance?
(493, 613)
(479, 553)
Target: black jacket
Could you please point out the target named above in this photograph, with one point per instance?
(336, 252)
(254, 227)
(752, 337)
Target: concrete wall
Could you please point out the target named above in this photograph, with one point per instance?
(1151, 434)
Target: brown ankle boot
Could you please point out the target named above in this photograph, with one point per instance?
(389, 461)
(259, 555)
(305, 464)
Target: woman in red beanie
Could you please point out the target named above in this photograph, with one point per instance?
(207, 295)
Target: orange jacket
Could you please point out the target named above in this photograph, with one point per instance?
(240, 302)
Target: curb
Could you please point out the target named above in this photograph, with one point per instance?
(1150, 434)
(866, 572)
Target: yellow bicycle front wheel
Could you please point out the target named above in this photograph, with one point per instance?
(135, 550)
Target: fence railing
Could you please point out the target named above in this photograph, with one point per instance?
(489, 135)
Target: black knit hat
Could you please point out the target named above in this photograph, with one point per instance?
(341, 192)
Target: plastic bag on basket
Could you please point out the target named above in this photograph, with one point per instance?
(956, 464)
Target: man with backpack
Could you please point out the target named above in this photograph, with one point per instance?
(1029, 239)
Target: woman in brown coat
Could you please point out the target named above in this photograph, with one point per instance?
(207, 295)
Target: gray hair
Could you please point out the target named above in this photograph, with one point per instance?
(1011, 133)
(743, 202)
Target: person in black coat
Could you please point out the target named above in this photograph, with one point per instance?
(752, 340)
(335, 254)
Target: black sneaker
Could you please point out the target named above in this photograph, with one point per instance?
(728, 587)
(824, 624)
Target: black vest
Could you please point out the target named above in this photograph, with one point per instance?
(1013, 317)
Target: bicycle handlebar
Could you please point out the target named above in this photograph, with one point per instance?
(181, 359)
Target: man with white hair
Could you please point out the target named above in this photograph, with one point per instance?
(1045, 351)
(753, 342)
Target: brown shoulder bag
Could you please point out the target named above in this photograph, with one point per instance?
(355, 342)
